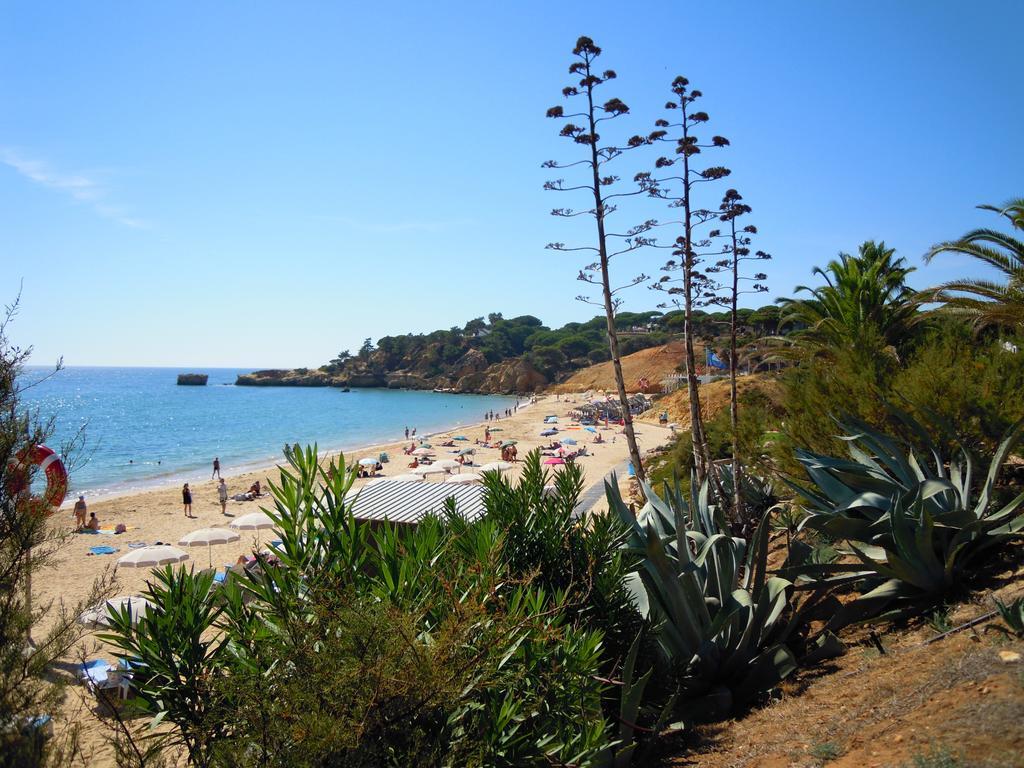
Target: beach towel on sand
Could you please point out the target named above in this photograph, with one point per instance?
(104, 550)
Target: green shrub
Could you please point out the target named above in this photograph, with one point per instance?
(967, 382)
(446, 643)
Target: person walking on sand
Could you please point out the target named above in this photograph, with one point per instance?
(216, 468)
(80, 512)
(186, 500)
(406, 433)
(222, 494)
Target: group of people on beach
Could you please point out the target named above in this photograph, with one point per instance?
(81, 510)
(254, 492)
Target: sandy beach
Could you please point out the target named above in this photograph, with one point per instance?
(153, 515)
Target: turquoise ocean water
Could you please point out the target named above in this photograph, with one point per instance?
(141, 429)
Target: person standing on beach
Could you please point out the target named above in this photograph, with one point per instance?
(222, 494)
(186, 500)
(216, 468)
(80, 512)
(406, 433)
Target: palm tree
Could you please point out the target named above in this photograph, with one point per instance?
(864, 303)
(988, 302)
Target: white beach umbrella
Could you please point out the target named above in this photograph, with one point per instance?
(368, 462)
(429, 469)
(148, 557)
(422, 452)
(207, 537)
(254, 521)
(470, 477)
(408, 477)
(496, 466)
(98, 615)
(447, 464)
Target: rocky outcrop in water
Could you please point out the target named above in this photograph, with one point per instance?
(192, 379)
(300, 377)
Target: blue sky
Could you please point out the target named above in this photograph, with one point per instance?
(265, 183)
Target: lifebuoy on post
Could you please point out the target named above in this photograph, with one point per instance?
(56, 477)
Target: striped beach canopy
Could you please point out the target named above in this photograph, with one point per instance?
(411, 502)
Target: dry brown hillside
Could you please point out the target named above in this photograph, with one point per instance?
(654, 364)
(714, 397)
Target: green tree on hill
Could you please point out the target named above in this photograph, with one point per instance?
(987, 302)
(865, 305)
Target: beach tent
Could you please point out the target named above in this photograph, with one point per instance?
(148, 557)
(411, 502)
(99, 615)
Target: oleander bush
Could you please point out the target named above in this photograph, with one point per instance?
(454, 642)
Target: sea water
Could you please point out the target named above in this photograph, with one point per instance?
(139, 428)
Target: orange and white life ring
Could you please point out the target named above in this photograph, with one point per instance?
(56, 477)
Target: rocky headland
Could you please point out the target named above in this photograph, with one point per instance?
(470, 374)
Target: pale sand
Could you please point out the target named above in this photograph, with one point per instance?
(157, 515)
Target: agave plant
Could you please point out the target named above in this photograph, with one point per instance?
(852, 498)
(716, 614)
(1012, 615)
(914, 526)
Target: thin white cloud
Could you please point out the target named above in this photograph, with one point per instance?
(81, 187)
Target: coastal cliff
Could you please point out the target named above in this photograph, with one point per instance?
(505, 378)
(494, 356)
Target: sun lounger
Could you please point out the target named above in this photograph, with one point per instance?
(101, 675)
